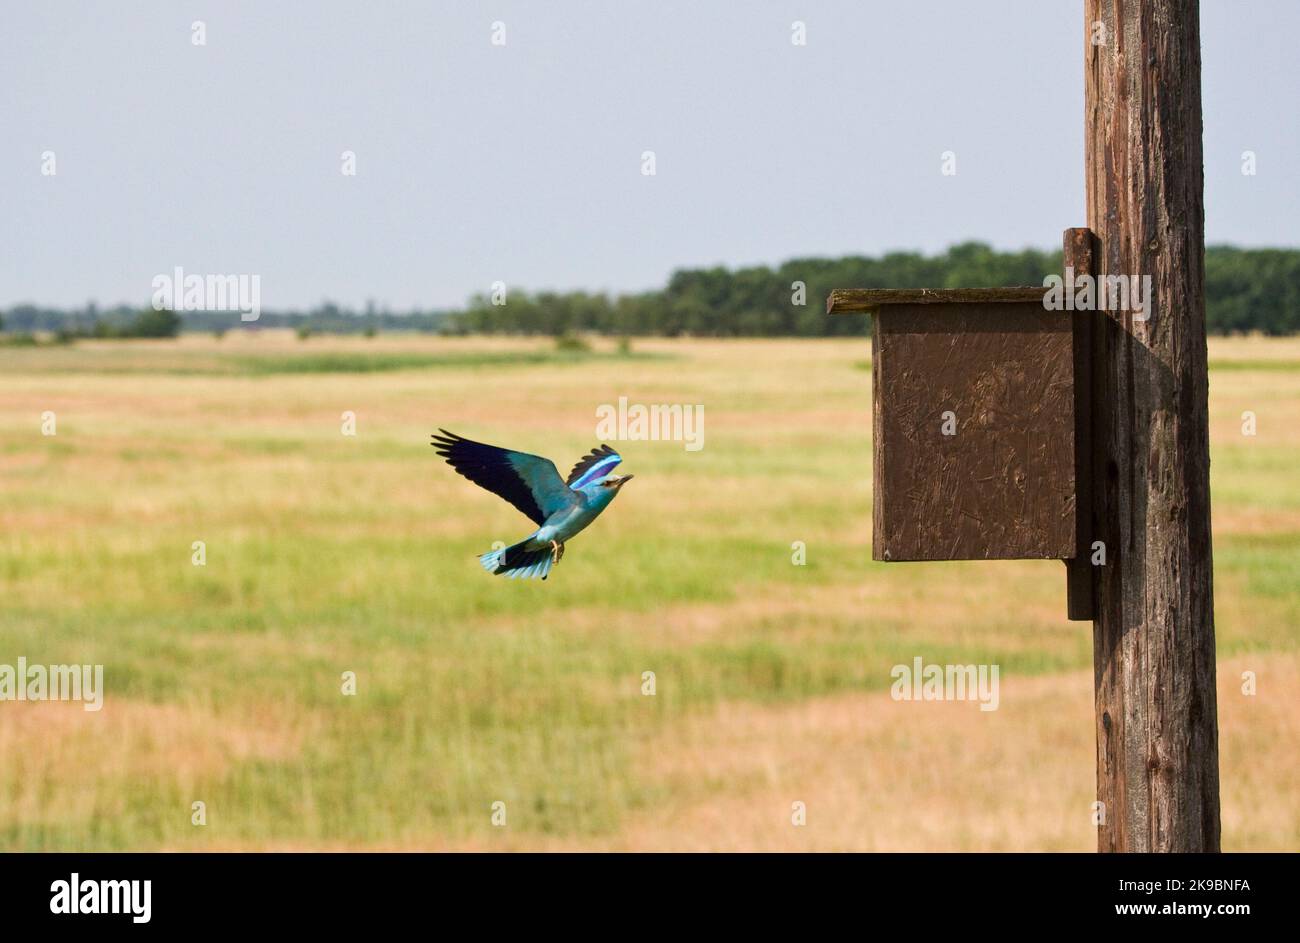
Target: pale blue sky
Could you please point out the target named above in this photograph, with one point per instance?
(522, 163)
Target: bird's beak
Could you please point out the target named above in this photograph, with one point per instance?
(624, 480)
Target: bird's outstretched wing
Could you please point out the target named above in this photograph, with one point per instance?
(529, 482)
(595, 464)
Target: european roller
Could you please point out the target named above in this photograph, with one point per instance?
(560, 508)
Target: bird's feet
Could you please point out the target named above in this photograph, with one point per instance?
(557, 552)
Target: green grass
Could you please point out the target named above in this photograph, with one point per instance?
(134, 359)
(328, 554)
(345, 362)
(1223, 364)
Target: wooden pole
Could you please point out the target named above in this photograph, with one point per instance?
(1078, 259)
(1153, 634)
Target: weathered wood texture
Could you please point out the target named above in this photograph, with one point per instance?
(1001, 486)
(1157, 734)
(1080, 589)
(846, 300)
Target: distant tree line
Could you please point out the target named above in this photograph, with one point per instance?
(1246, 290)
(124, 320)
(21, 325)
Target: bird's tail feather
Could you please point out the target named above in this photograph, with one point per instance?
(516, 562)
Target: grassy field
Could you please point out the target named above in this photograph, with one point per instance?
(328, 553)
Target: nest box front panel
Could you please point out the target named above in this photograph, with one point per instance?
(974, 432)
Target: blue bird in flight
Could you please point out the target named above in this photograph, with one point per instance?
(560, 508)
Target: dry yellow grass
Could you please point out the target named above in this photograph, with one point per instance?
(879, 775)
(329, 553)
